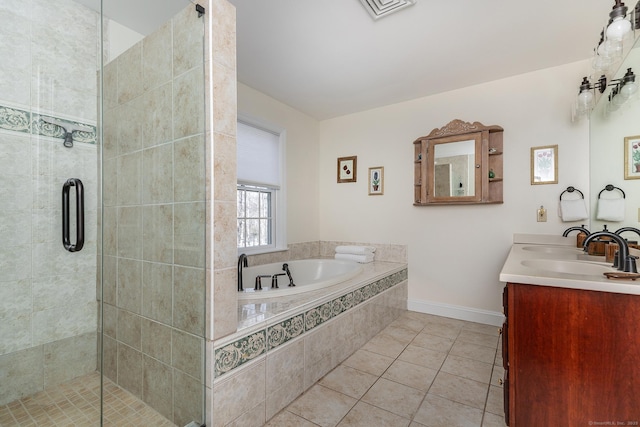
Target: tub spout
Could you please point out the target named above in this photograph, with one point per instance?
(242, 262)
(285, 268)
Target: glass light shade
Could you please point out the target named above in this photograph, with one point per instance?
(585, 99)
(618, 28)
(601, 63)
(610, 48)
(618, 100)
(628, 90)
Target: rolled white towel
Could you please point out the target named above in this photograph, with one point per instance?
(355, 250)
(362, 259)
(573, 210)
(611, 209)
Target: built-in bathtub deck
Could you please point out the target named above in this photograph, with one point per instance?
(264, 324)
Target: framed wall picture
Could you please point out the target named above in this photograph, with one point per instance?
(347, 169)
(632, 157)
(376, 181)
(544, 165)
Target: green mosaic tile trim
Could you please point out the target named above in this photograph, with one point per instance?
(285, 331)
(14, 119)
(239, 352)
(243, 350)
(18, 120)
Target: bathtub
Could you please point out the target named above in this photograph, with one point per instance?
(307, 274)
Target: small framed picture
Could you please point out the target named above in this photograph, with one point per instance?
(544, 165)
(376, 181)
(347, 169)
(632, 157)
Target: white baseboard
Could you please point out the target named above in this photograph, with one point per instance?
(469, 314)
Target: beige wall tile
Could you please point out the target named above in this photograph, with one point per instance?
(226, 101)
(225, 165)
(188, 102)
(157, 57)
(187, 354)
(156, 340)
(188, 41)
(235, 396)
(26, 368)
(129, 179)
(157, 233)
(188, 300)
(130, 285)
(109, 320)
(129, 126)
(225, 302)
(157, 386)
(129, 329)
(130, 74)
(157, 174)
(130, 369)
(157, 116)
(224, 234)
(189, 169)
(68, 358)
(224, 36)
(187, 399)
(189, 228)
(110, 356)
(157, 291)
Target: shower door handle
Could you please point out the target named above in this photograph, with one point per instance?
(66, 241)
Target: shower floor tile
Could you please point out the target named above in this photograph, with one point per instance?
(77, 403)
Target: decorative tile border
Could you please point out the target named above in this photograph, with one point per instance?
(18, 120)
(245, 349)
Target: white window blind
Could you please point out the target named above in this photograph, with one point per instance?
(258, 156)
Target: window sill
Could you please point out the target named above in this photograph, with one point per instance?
(249, 251)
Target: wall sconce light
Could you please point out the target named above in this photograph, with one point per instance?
(584, 102)
(618, 26)
(624, 89)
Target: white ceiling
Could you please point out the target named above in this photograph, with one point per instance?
(328, 58)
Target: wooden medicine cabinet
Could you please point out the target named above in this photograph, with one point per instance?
(460, 163)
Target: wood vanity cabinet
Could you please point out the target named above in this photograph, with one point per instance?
(460, 163)
(571, 357)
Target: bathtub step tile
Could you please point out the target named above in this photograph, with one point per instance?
(349, 381)
(322, 406)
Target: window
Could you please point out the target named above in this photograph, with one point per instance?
(260, 192)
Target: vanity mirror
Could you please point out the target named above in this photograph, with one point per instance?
(608, 129)
(460, 163)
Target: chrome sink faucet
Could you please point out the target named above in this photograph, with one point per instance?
(626, 262)
(242, 262)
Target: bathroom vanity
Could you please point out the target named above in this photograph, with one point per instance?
(570, 339)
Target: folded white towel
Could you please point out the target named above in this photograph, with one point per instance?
(362, 259)
(611, 209)
(572, 210)
(356, 250)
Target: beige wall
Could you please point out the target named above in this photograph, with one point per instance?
(455, 252)
(302, 160)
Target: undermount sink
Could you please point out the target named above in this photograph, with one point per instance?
(553, 249)
(568, 267)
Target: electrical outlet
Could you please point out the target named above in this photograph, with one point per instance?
(542, 214)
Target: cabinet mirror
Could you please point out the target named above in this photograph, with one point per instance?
(460, 163)
(454, 168)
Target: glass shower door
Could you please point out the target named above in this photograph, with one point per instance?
(137, 153)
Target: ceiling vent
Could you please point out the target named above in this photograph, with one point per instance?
(380, 8)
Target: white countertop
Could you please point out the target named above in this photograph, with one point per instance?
(531, 254)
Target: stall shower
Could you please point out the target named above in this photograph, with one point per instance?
(102, 216)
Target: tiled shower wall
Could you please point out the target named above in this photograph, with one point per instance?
(47, 295)
(154, 219)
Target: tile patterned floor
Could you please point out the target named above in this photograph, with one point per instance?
(421, 371)
(77, 403)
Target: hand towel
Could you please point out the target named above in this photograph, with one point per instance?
(611, 209)
(356, 250)
(573, 210)
(362, 259)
